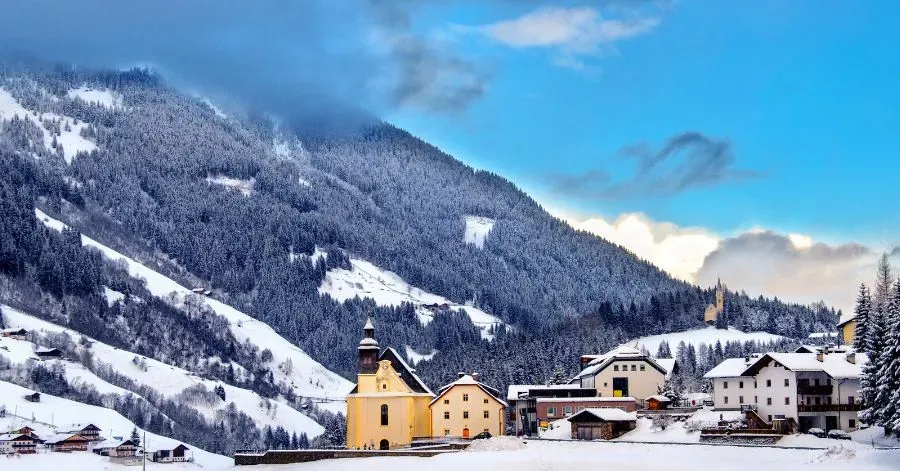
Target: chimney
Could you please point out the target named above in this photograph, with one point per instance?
(851, 357)
(820, 356)
(460, 374)
(475, 376)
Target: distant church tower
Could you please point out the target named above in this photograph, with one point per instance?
(368, 350)
(713, 311)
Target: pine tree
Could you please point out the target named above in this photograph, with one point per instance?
(135, 436)
(869, 381)
(862, 312)
(888, 381)
(883, 281)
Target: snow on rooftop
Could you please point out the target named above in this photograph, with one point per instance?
(100, 97)
(386, 288)
(70, 139)
(608, 413)
(477, 230)
(730, 368)
(308, 377)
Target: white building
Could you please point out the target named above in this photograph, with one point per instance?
(624, 372)
(814, 389)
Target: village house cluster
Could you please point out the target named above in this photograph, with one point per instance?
(83, 438)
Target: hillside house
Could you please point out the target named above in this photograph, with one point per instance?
(818, 390)
(65, 442)
(847, 328)
(14, 333)
(33, 397)
(17, 443)
(89, 431)
(624, 372)
(48, 353)
(602, 424)
(175, 455)
(466, 407)
(114, 448)
(389, 406)
(534, 406)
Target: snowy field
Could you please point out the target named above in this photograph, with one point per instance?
(386, 288)
(244, 187)
(166, 379)
(510, 454)
(477, 230)
(104, 98)
(707, 335)
(308, 377)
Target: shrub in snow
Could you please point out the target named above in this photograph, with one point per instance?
(660, 422)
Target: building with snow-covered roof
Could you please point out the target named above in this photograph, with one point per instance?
(86, 430)
(389, 406)
(816, 390)
(115, 447)
(624, 371)
(174, 455)
(467, 407)
(67, 442)
(602, 424)
(14, 333)
(17, 443)
(847, 327)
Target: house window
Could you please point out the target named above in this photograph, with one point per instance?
(818, 401)
(465, 414)
(754, 384)
(755, 399)
(726, 399)
(741, 399)
(487, 430)
(816, 382)
(485, 400)
(633, 367)
(768, 401)
(643, 367)
(740, 385)
(850, 400)
(615, 367)
(384, 386)
(787, 382)
(465, 398)
(768, 383)
(567, 410)
(487, 414)
(787, 401)
(446, 432)
(384, 414)
(852, 423)
(446, 415)
(551, 412)
(446, 401)
(829, 400)
(725, 385)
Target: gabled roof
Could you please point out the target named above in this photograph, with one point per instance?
(622, 352)
(515, 390)
(468, 380)
(8, 437)
(61, 437)
(407, 374)
(732, 367)
(834, 365)
(658, 397)
(78, 427)
(114, 443)
(846, 318)
(605, 414)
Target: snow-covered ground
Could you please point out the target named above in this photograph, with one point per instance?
(308, 377)
(52, 411)
(105, 98)
(386, 288)
(506, 453)
(415, 357)
(245, 187)
(70, 139)
(707, 335)
(166, 379)
(477, 230)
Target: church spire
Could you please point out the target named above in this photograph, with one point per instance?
(368, 349)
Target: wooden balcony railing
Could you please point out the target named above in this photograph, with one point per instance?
(820, 390)
(829, 408)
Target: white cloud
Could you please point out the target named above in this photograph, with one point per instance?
(794, 267)
(572, 32)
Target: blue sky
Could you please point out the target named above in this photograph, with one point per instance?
(804, 91)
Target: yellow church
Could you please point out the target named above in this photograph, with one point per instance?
(714, 311)
(389, 405)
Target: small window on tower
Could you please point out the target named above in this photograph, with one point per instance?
(384, 386)
(465, 414)
(485, 400)
(446, 401)
(465, 398)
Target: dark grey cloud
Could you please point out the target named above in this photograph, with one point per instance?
(686, 161)
(895, 252)
(770, 263)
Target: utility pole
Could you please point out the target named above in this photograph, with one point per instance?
(144, 452)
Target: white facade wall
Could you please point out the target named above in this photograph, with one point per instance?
(732, 393)
(6, 447)
(778, 384)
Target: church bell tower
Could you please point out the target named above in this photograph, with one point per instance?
(368, 350)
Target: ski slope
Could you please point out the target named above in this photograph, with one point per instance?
(166, 379)
(386, 288)
(52, 411)
(707, 335)
(308, 377)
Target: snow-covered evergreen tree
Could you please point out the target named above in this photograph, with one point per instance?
(883, 281)
(888, 381)
(862, 312)
(869, 381)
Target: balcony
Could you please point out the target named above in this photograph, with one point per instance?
(829, 408)
(819, 390)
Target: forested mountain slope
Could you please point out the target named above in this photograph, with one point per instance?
(232, 203)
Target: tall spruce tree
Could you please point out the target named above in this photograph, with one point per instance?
(887, 383)
(862, 312)
(869, 381)
(883, 281)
